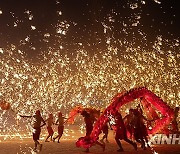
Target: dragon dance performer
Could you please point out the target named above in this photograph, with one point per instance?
(119, 127)
(37, 128)
(60, 122)
(89, 127)
(140, 130)
(128, 121)
(105, 131)
(49, 127)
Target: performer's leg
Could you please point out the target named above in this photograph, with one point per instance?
(131, 142)
(61, 130)
(36, 144)
(119, 144)
(47, 138)
(102, 145)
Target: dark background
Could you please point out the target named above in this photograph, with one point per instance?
(85, 18)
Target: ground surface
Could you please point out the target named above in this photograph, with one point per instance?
(67, 146)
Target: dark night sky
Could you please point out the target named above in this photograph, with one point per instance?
(85, 18)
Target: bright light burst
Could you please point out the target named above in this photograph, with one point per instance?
(62, 80)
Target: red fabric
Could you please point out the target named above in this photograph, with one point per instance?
(149, 110)
(73, 113)
(60, 130)
(50, 130)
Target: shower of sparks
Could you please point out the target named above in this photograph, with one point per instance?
(62, 80)
(64, 83)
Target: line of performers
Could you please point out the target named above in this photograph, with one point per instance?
(131, 128)
(40, 122)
